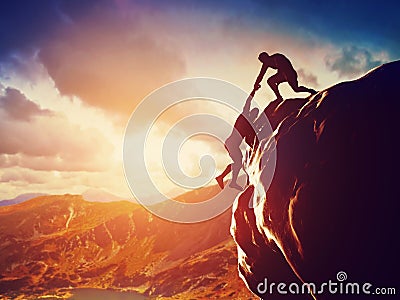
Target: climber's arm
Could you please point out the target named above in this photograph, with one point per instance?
(246, 107)
(260, 76)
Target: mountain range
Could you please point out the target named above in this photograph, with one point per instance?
(52, 245)
(20, 198)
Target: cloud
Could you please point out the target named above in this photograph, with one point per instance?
(352, 61)
(19, 180)
(307, 77)
(25, 176)
(52, 143)
(111, 62)
(17, 106)
(41, 139)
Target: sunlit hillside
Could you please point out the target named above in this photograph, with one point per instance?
(52, 245)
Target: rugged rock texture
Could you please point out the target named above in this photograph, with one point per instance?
(333, 204)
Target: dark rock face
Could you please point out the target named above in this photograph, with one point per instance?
(333, 203)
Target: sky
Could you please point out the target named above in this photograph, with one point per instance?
(72, 72)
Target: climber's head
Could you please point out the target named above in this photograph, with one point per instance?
(263, 56)
(253, 114)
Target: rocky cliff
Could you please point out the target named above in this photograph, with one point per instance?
(333, 203)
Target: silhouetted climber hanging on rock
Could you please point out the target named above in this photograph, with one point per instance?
(244, 128)
(285, 73)
(246, 124)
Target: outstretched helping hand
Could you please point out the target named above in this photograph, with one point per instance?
(254, 90)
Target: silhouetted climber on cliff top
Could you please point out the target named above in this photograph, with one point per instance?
(285, 73)
(244, 128)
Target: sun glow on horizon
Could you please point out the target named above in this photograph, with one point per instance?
(79, 87)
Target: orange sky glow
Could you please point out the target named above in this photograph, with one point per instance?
(76, 94)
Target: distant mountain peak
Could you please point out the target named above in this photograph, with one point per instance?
(20, 198)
